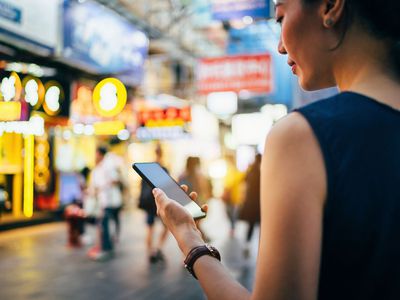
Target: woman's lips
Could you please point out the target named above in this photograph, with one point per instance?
(294, 68)
(293, 65)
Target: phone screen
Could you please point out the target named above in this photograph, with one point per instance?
(156, 176)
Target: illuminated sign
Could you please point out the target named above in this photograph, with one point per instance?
(34, 91)
(109, 97)
(163, 124)
(10, 111)
(52, 98)
(28, 175)
(35, 126)
(235, 73)
(171, 116)
(42, 164)
(11, 88)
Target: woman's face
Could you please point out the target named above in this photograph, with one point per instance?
(306, 42)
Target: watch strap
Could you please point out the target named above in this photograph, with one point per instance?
(198, 252)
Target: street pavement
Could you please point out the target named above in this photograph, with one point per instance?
(35, 263)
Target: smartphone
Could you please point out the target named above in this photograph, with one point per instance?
(157, 177)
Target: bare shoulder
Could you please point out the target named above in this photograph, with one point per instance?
(292, 150)
(292, 129)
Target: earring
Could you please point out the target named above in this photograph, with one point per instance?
(328, 22)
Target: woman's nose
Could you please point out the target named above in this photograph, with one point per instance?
(281, 48)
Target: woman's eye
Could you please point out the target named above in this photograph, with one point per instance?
(279, 20)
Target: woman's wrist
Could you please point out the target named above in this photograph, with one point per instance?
(189, 238)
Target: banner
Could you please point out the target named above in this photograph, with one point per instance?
(30, 24)
(101, 41)
(237, 9)
(235, 73)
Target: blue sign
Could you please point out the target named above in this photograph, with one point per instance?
(237, 9)
(99, 40)
(9, 12)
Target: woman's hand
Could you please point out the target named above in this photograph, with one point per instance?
(178, 220)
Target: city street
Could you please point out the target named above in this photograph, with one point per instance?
(36, 264)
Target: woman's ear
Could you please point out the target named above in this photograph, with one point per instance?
(332, 11)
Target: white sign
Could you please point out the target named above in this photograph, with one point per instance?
(30, 22)
(34, 126)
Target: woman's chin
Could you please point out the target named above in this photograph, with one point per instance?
(310, 85)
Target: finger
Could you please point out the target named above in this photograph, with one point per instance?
(193, 196)
(159, 196)
(185, 187)
(204, 208)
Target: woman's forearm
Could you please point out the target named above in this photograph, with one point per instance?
(212, 275)
(216, 281)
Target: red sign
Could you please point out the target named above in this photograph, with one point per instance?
(158, 114)
(235, 73)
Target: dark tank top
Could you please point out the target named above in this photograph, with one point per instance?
(360, 142)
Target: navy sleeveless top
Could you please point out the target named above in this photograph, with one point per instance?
(360, 142)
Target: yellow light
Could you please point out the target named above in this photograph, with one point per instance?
(108, 128)
(28, 175)
(10, 111)
(109, 97)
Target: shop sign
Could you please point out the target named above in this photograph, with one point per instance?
(169, 117)
(53, 97)
(43, 166)
(235, 73)
(109, 97)
(99, 40)
(30, 24)
(11, 88)
(164, 124)
(35, 126)
(34, 91)
(237, 9)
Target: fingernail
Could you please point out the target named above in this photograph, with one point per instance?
(155, 190)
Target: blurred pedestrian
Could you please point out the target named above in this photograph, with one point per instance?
(197, 181)
(104, 182)
(250, 210)
(115, 162)
(147, 203)
(233, 191)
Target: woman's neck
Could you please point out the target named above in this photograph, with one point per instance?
(363, 69)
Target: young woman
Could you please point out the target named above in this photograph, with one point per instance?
(330, 202)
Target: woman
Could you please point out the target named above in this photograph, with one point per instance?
(330, 205)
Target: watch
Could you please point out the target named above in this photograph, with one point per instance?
(196, 253)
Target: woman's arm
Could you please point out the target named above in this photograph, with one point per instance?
(293, 189)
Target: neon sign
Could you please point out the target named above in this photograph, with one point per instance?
(109, 97)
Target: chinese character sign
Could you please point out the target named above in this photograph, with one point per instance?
(235, 73)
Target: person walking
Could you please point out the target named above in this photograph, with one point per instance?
(104, 184)
(330, 209)
(250, 210)
(147, 203)
(195, 180)
(233, 193)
